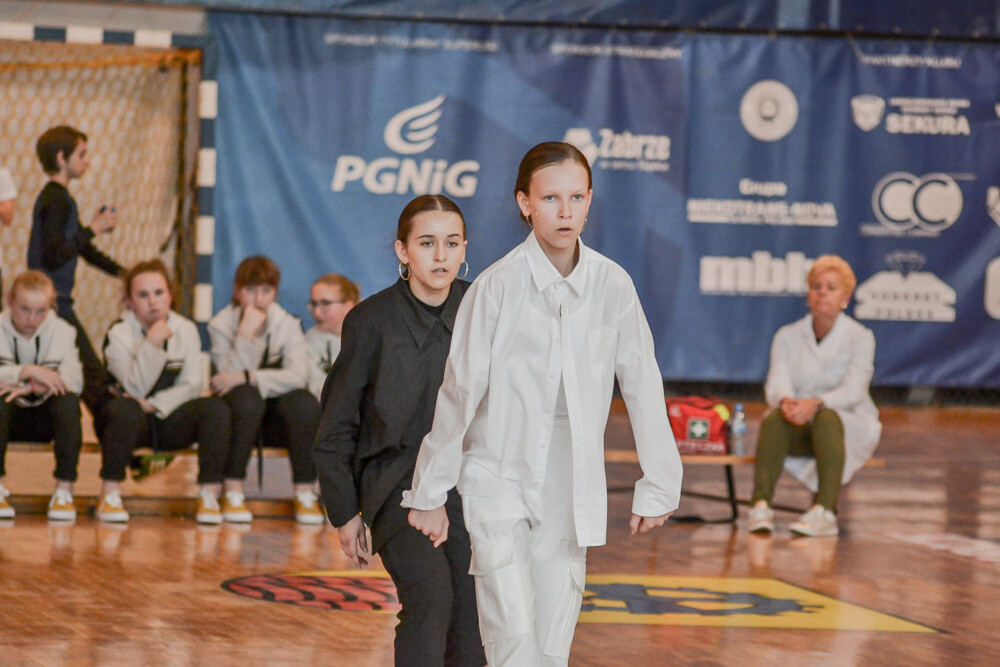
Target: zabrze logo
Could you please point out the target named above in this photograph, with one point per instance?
(412, 130)
(769, 110)
(993, 203)
(867, 111)
(584, 142)
(902, 201)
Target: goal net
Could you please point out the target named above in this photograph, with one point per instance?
(138, 108)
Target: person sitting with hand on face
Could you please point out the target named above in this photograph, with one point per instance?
(823, 426)
(262, 370)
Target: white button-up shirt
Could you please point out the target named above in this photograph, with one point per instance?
(521, 330)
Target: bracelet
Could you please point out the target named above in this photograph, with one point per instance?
(246, 375)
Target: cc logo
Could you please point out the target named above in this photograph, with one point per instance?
(902, 201)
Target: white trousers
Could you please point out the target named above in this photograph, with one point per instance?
(528, 567)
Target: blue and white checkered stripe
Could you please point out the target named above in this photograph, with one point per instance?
(208, 98)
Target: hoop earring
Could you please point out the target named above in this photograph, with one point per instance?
(527, 219)
(404, 266)
(462, 277)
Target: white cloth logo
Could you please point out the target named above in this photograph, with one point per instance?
(932, 202)
(412, 130)
(769, 110)
(867, 111)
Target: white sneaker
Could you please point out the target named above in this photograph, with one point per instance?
(817, 522)
(6, 511)
(760, 520)
(307, 509)
(233, 508)
(111, 509)
(208, 509)
(61, 507)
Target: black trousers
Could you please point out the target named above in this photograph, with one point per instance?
(122, 427)
(288, 421)
(57, 419)
(95, 376)
(438, 624)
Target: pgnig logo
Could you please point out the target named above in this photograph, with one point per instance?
(905, 203)
(411, 131)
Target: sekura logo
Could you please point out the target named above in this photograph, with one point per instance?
(867, 111)
(912, 115)
(411, 131)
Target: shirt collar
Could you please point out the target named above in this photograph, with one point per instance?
(418, 320)
(545, 274)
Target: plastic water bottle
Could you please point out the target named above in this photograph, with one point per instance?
(738, 431)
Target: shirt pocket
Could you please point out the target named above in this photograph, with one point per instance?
(601, 344)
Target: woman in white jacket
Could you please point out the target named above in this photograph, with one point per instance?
(262, 372)
(824, 425)
(154, 358)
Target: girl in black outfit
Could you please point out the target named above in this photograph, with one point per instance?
(378, 403)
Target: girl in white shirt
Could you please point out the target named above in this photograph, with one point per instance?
(261, 372)
(519, 421)
(154, 357)
(330, 299)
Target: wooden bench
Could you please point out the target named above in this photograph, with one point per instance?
(631, 456)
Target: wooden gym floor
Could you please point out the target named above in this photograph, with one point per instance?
(914, 578)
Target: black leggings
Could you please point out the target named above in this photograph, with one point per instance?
(288, 421)
(57, 419)
(122, 427)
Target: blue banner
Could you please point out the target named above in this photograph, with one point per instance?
(723, 166)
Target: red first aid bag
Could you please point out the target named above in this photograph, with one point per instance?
(699, 424)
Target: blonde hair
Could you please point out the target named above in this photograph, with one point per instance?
(349, 291)
(31, 280)
(836, 264)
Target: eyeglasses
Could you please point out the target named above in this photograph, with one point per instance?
(323, 303)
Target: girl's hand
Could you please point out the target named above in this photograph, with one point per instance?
(45, 378)
(432, 523)
(12, 391)
(644, 524)
(251, 322)
(354, 541)
(158, 334)
(223, 383)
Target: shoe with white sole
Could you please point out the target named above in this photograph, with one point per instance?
(760, 520)
(111, 509)
(817, 522)
(61, 506)
(6, 511)
(208, 510)
(234, 509)
(307, 508)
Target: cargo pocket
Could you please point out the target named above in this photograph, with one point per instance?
(562, 625)
(503, 610)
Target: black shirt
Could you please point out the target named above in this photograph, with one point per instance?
(58, 239)
(378, 401)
